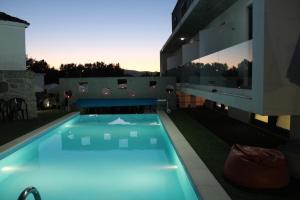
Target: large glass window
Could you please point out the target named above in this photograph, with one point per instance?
(231, 67)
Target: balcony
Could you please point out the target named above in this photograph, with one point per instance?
(191, 16)
(179, 11)
(230, 68)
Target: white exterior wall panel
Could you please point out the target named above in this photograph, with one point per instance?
(12, 46)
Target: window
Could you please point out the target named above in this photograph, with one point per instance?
(122, 83)
(262, 118)
(152, 84)
(276, 124)
(250, 22)
(284, 122)
(83, 87)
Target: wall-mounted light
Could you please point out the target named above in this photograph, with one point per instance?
(46, 103)
(182, 38)
(131, 93)
(170, 89)
(68, 94)
(106, 91)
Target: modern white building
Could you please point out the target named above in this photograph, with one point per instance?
(243, 54)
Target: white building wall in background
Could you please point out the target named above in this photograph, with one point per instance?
(12, 46)
(139, 86)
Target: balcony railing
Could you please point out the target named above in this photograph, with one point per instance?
(180, 9)
(231, 67)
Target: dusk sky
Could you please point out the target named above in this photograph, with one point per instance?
(130, 32)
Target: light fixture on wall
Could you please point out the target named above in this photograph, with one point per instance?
(182, 38)
(106, 91)
(131, 93)
(170, 89)
(46, 103)
(68, 94)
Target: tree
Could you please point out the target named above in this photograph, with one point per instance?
(72, 70)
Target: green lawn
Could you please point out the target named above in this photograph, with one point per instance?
(14, 129)
(213, 151)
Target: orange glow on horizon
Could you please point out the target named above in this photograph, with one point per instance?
(143, 60)
(232, 56)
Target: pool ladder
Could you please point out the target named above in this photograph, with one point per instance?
(28, 191)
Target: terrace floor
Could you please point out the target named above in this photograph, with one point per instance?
(212, 133)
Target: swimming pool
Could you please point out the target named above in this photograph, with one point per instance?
(95, 157)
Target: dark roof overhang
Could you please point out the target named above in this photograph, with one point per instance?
(6, 17)
(198, 16)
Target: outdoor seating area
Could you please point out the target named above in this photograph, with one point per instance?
(13, 109)
(13, 129)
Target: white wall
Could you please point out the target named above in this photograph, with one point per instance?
(140, 85)
(282, 46)
(39, 82)
(228, 29)
(175, 59)
(12, 46)
(276, 46)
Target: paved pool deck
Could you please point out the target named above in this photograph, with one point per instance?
(204, 181)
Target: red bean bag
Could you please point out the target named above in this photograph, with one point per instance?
(256, 168)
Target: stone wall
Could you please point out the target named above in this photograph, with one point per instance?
(19, 84)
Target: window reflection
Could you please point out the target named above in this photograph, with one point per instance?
(85, 141)
(153, 141)
(107, 136)
(231, 67)
(123, 143)
(133, 134)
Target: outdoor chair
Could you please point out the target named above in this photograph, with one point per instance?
(17, 109)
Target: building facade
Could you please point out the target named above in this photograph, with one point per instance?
(241, 54)
(15, 80)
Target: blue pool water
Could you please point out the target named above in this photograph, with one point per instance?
(107, 157)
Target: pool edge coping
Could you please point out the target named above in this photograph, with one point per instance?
(30, 135)
(204, 181)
